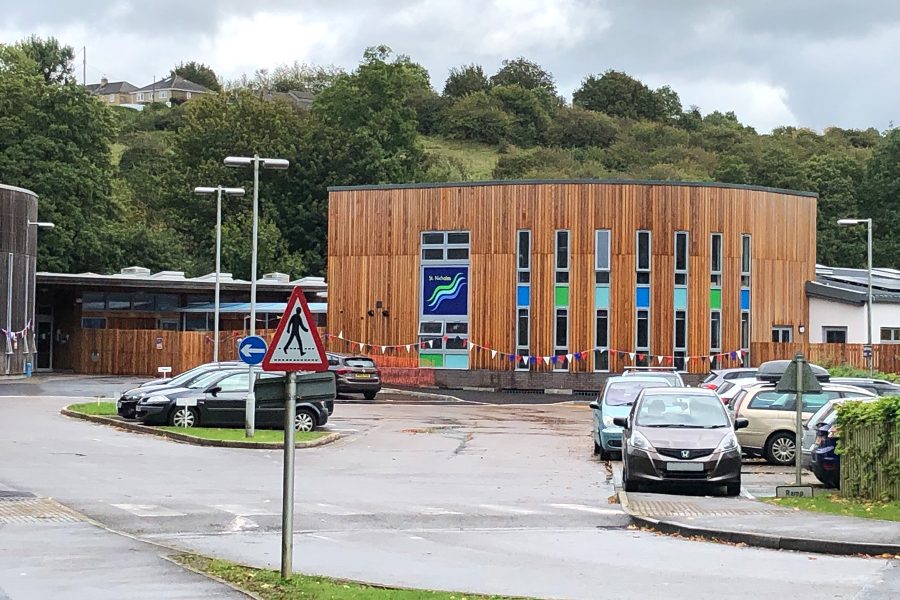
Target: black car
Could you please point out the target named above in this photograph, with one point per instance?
(221, 402)
(355, 374)
(192, 379)
(879, 387)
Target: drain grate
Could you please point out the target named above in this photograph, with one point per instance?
(28, 509)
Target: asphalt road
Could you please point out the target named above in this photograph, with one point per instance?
(494, 499)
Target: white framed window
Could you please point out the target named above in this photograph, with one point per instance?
(561, 339)
(715, 260)
(445, 246)
(834, 335)
(602, 256)
(163, 94)
(562, 256)
(746, 254)
(644, 249)
(523, 255)
(523, 299)
(890, 335)
(782, 333)
(601, 341)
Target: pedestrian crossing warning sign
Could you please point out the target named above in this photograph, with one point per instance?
(296, 345)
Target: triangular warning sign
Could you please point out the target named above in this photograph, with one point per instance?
(296, 345)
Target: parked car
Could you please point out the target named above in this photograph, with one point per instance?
(731, 387)
(879, 387)
(667, 373)
(828, 468)
(355, 374)
(771, 432)
(718, 376)
(618, 394)
(192, 379)
(221, 402)
(192, 372)
(680, 436)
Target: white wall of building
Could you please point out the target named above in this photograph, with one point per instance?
(825, 313)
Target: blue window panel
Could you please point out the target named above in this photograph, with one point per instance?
(642, 297)
(456, 361)
(601, 296)
(745, 299)
(681, 298)
(523, 295)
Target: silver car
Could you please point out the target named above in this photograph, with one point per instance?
(717, 377)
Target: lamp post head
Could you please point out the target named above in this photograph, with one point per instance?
(238, 161)
(279, 164)
(204, 191)
(233, 191)
(848, 222)
(44, 224)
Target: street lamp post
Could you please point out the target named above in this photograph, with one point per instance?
(868, 222)
(266, 163)
(218, 191)
(36, 225)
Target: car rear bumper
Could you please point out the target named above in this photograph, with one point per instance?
(717, 468)
(357, 386)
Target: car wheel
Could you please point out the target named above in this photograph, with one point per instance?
(781, 448)
(369, 395)
(183, 416)
(733, 489)
(304, 421)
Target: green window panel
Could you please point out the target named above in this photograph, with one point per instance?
(562, 295)
(431, 360)
(715, 299)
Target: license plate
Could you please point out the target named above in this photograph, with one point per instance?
(363, 376)
(684, 466)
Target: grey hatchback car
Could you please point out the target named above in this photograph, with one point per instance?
(680, 436)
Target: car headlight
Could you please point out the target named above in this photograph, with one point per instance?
(156, 400)
(607, 421)
(639, 441)
(728, 443)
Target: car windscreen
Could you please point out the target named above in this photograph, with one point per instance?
(740, 374)
(622, 393)
(693, 411)
(772, 400)
(361, 363)
(189, 376)
(710, 377)
(204, 380)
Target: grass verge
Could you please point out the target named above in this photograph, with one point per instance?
(269, 585)
(838, 505)
(261, 436)
(103, 409)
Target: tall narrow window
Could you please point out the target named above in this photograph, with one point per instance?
(602, 262)
(679, 351)
(523, 299)
(642, 298)
(715, 298)
(444, 305)
(715, 260)
(715, 337)
(561, 339)
(561, 301)
(745, 298)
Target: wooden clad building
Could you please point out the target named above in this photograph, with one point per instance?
(577, 277)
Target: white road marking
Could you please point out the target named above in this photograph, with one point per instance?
(511, 509)
(242, 524)
(343, 430)
(589, 509)
(331, 509)
(415, 537)
(430, 510)
(244, 511)
(319, 537)
(149, 510)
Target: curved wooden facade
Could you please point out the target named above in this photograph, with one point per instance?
(374, 250)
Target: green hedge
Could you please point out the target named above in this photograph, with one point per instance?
(870, 448)
(851, 371)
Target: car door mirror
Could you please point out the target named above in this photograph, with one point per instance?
(214, 390)
(741, 423)
(621, 422)
(595, 405)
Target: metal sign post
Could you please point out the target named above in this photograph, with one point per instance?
(287, 495)
(798, 446)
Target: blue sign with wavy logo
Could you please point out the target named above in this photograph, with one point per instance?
(445, 291)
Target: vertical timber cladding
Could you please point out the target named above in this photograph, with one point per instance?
(374, 236)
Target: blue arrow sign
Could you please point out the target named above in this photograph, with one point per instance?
(252, 349)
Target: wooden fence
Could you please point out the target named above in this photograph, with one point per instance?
(873, 479)
(885, 357)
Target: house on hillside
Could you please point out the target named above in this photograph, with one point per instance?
(174, 88)
(116, 92)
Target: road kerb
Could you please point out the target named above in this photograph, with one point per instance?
(759, 540)
(189, 439)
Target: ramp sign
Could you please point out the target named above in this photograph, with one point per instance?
(296, 345)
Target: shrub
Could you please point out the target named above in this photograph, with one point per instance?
(579, 128)
(477, 117)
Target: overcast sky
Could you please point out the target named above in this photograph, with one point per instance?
(810, 63)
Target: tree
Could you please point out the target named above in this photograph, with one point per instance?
(198, 73)
(55, 140)
(466, 80)
(525, 73)
(618, 94)
(528, 115)
(836, 178)
(53, 60)
(881, 189)
(478, 117)
(579, 128)
(668, 104)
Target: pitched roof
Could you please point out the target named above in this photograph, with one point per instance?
(113, 87)
(175, 82)
(850, 286)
